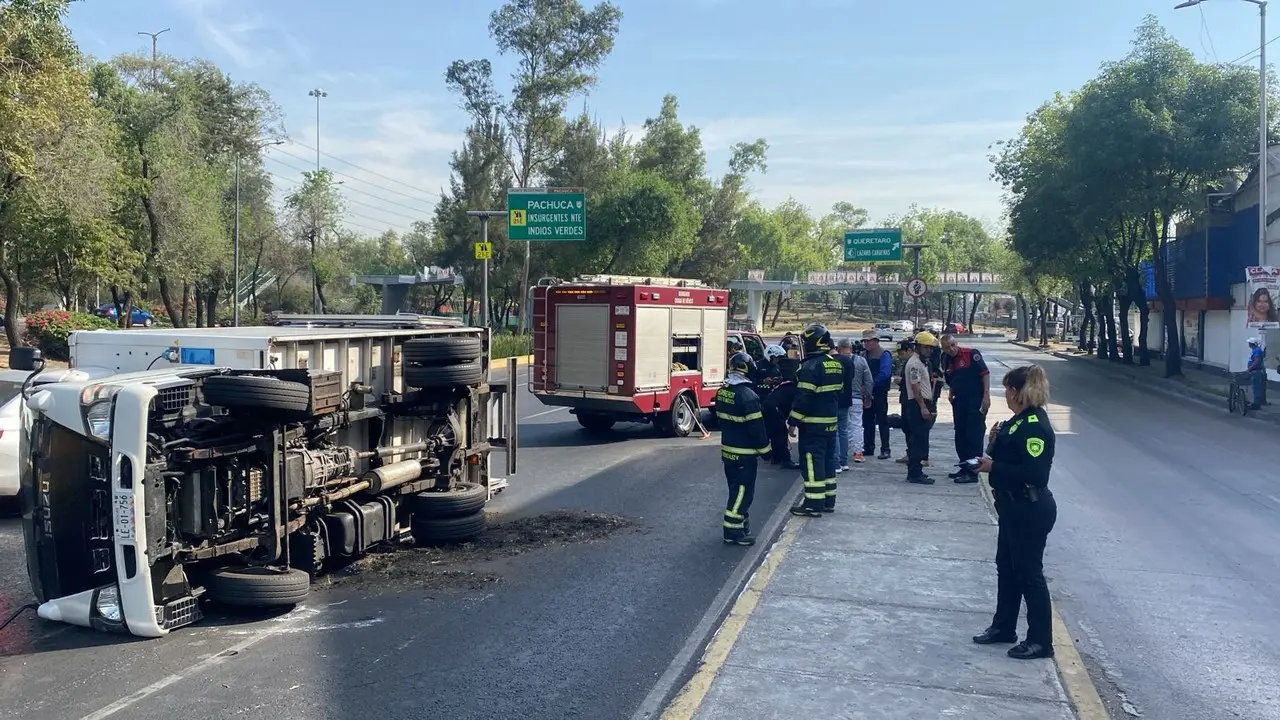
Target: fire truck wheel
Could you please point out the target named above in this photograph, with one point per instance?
(461, 499)
(257, 392)
(441, 531)
(259, 586)
(595, 423)
(444, 376)
(441, 350)
(681, 419)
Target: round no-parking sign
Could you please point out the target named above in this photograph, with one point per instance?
(916, 287)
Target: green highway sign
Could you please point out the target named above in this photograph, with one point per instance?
(555, 214)
(874, 245)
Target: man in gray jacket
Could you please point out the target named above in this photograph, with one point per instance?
(854, 398)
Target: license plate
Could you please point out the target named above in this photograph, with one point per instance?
(122, 514)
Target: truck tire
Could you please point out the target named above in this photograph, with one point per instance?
(258, 586)
(459, 500)
(679, 421)
(595, 423)
(444, 376)
(257, 392)
(441, 531)
(441, 350)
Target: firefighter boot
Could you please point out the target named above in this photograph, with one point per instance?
(738, 536)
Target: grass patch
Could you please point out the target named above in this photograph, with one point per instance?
(507, 345)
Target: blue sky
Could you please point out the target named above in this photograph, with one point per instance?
(882, 103)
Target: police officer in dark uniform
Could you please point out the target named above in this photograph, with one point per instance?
(742, 441)
(969, 389)
(814, 410)
(1021, 456)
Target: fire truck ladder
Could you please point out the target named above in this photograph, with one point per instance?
(640, 280)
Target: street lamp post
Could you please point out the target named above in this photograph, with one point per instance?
(235, 242)
(315, 212)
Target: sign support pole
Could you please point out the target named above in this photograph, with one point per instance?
(484, 216)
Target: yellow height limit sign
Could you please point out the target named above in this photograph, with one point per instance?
(484, 251)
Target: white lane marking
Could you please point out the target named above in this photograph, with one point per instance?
(544, 412)
(313, 628)
(286, 623)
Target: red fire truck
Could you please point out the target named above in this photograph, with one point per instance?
(632, 349)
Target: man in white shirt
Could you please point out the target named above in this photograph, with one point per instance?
(921, 410)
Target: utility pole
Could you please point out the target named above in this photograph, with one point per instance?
(484, 216)
(155, 63)
(315, 209)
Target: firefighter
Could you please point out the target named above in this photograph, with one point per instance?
(777, 405)
(969, 390)
(742, 441)
(814, 412)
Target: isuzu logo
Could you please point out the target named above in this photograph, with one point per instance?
(46, 505)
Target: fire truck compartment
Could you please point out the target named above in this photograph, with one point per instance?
(582, 345)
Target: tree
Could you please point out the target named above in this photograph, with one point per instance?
(45, 115)
(315, 210)
(558, 45)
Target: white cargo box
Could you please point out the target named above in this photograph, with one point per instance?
(365, 355)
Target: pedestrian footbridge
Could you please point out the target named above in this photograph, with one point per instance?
(755, 286)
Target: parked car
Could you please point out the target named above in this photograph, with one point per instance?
(934, 326)
(139, 316)
(905, 326)
(10, 390)
(955, 328)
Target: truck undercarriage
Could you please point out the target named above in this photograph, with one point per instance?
(254, 481)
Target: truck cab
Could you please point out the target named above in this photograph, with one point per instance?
(175, 466)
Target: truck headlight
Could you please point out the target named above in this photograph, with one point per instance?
(95, 406)
(108, 604)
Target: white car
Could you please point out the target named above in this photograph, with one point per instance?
(905, 326)
(10, 389)
(934, 327)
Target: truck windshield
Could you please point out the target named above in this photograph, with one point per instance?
(68, 536)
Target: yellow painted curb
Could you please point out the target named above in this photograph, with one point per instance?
(686, 704)
(1081, 691)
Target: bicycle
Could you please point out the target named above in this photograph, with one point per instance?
(1237, 400)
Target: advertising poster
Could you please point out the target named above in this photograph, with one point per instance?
(1263, 284)
(1191, 321)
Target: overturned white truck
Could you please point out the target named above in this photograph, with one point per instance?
(234, 464)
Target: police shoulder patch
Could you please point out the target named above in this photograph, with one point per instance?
(977, 356)
(1035, 447)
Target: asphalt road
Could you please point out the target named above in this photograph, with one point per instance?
(1166, 557)
(575, 615)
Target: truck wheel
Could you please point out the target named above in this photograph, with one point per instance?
(441, 350)
(459, 500)
(441, 531)
(444, 376)
(594, 423)
(254, 391)
(259, 586)
(680, 420)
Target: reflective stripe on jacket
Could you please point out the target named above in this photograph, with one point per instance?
(741, 416)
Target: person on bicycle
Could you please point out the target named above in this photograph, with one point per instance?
(1257, 371)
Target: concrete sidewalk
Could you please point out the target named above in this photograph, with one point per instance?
(868, 613)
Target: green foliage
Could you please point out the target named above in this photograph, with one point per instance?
(507, 345)
(1097, 178)
(48, 330)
